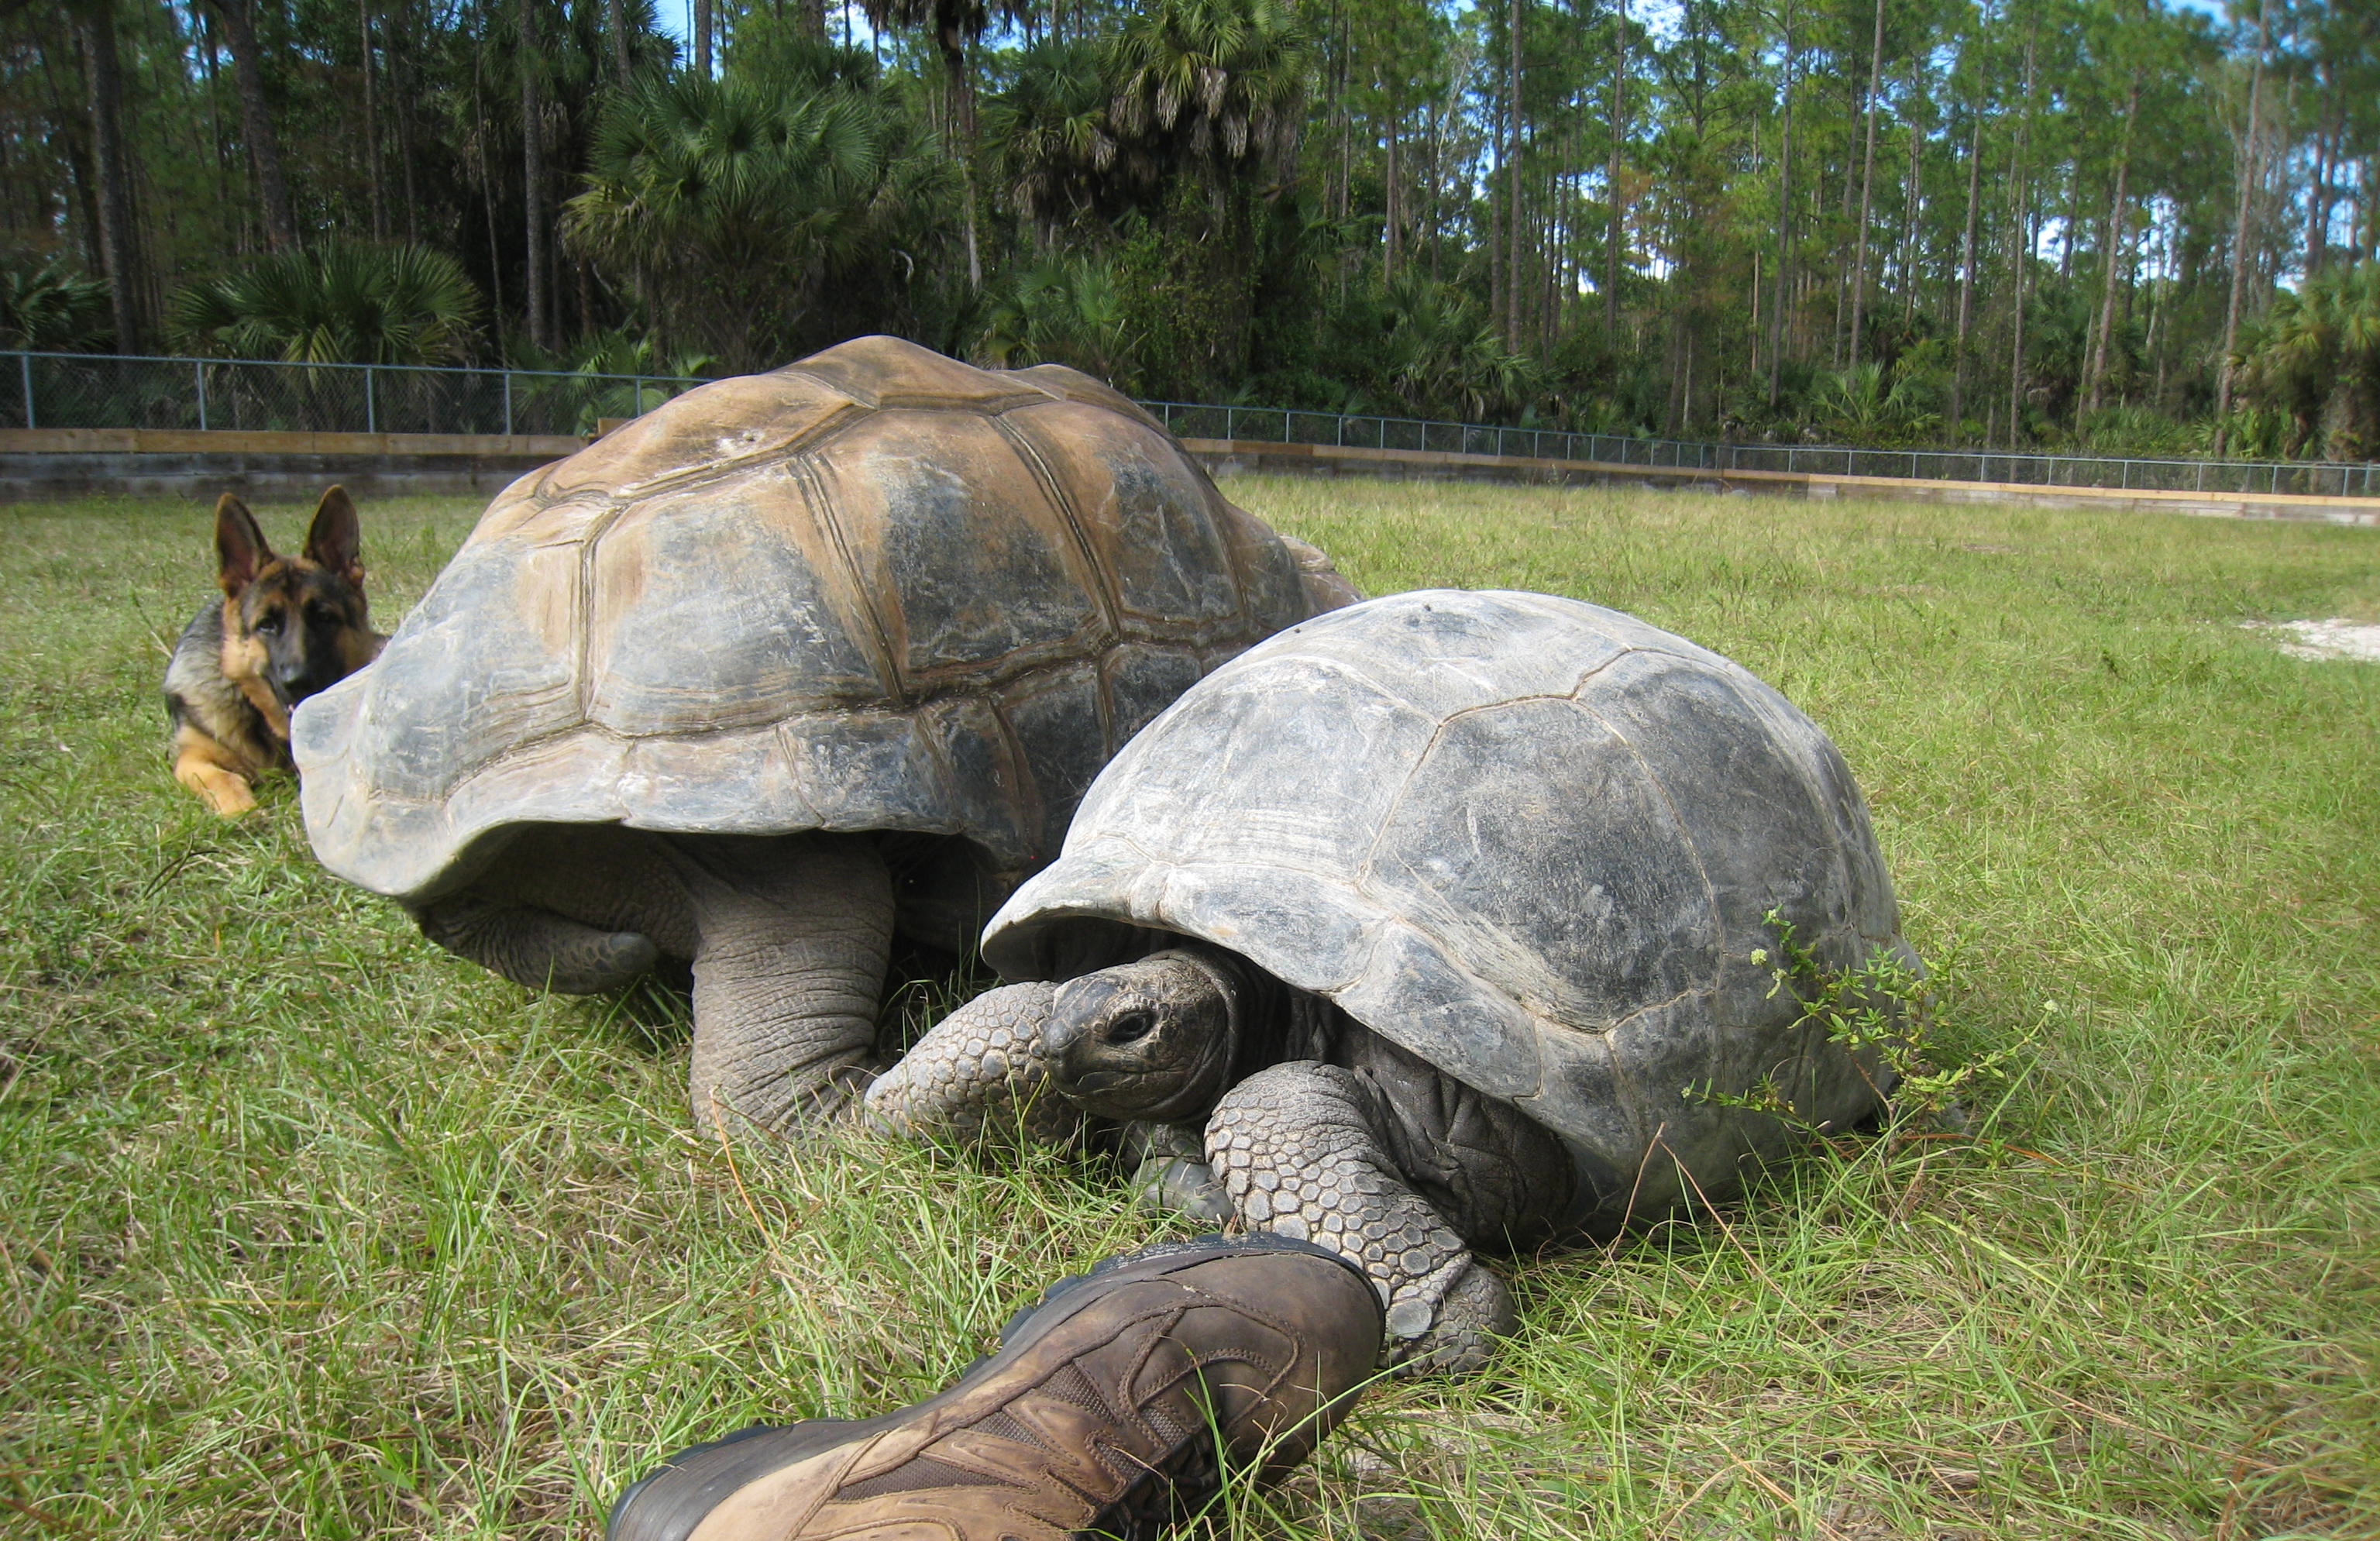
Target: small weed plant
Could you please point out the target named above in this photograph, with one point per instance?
(1888, 1012)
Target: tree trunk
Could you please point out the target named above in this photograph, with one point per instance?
(2117, 238)
(1867, 186)
(961, 92)
(1615, 245)
(2318, 199)
(203, 25)
(2245, 168)
(533, 178)
(1966, 277)
(400, 75)
(120, 242)
(371, 125)
(2022, 210)
(702, 29)
(488, 183)
(1784, 216)
(616, 21)
(1910, 204)
(1514, 224)
(263, 145)
(2072, 222)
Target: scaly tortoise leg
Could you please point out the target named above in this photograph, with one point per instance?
(1303, 1150)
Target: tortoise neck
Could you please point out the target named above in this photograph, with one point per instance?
(1272, 1022)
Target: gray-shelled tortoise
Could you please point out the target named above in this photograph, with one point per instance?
(1432, 923)
(789, 663)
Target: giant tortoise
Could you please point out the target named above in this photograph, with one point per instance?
(792, 662)
(1446, 919)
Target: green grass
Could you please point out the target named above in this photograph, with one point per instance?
(309, 1230)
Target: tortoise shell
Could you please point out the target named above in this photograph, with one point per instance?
(1533, 841)
(876, 589)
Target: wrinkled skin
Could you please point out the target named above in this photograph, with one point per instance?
(787, 937)
(1309, 1123)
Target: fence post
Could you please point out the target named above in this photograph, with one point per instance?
(371, 413)
(25, 369)
(508, 403)
(199, 374)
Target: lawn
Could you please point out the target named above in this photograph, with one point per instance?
(309, 1229)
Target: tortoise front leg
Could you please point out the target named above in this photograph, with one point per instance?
(1170, 1174)
(1306, 1150)
(978, 1070)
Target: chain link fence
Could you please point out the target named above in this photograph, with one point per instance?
(66, 390)
(63, 390)
(1277, 426)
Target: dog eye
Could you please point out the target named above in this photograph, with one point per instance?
(322, 615)
(270, 625)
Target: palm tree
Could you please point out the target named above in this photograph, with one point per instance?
(1214, 90)
(344, 303)
(2315, 357)
(1443, 357)
(1868, 404)
(1070, 311)
(1220, 82)
(1057, 151)
(50, 310)
(733, 208)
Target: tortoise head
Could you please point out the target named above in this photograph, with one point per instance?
(1152, 1039)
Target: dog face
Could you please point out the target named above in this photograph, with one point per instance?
(291, 625)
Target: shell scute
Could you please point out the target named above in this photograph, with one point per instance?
(1060, 727)
(1251, 792)
(1150, 525)
(1074, 385)
(673, 650)
(1141, 681)
(490, 667)
(952, 533)
(890, 372)
(706, 429)
(1580, 917)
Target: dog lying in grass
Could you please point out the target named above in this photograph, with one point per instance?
(286, 628)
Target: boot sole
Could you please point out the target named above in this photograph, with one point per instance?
(1057, 1304)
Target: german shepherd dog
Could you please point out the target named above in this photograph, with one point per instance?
(286, 628)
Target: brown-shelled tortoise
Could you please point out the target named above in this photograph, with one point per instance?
(792, 662)
(1440, 921)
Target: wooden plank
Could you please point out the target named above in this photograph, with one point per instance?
(160, 441)
(1816, 483)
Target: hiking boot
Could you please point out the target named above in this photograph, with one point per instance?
(1118, 1403)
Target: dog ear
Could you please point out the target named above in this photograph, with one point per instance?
(240, 545)
(335, 540)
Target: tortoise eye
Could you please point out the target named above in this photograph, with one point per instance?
(1131, 1027)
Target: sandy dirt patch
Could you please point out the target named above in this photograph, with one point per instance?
(2335, 637)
